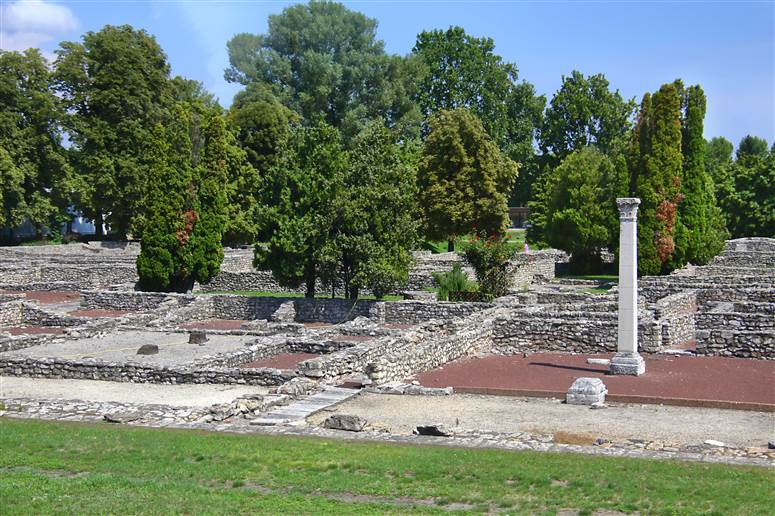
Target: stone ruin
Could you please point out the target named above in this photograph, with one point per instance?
(72, 312)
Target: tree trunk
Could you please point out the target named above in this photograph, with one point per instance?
(98, 222)
(450, 246)
(309, 282)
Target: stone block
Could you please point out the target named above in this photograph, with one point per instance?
(197, 337)
(627, 363)
(148, 349)
(345, 422)
(586, 391)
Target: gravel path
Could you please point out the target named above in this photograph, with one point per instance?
(188, 395)
(471, 412)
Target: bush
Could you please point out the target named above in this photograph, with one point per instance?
(490, 259)
(453, 281)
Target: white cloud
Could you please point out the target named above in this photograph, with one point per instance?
(32, 23)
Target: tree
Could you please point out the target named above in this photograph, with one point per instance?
(585, 112)
(718, 157)
(324, 62)
(462, 71)
(374, 227)
(748, 197)
(751, 146)
(162, 262)
(36, 174)
(656, 174)
(464, 179)
(489, 256)
(698, 211)
(262, 124)
(581, 216)
(210, 177)
(116, 87)
(296, 209)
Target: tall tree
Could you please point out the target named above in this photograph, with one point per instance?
(751, 146)
(585, 112)
(581, 216)
(324, 62)
(657, 177)
(698, 211)
(37, 174)
(374, 227)
(210, 179)
(162, 264)
(296, 211)
(718, 156)
(464, 178)
(116, 87)
(747, 198)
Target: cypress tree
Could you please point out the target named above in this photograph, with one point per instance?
(658, 179)
(205, 252)
(161, 264)
(698, 210)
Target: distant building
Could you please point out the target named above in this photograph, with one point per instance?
(518, 216)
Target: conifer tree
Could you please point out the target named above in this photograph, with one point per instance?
(161, 264)
(698, 211)
(657, 174)
(205, 249)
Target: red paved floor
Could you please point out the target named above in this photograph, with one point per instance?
(47, 297)
(281, 361)
(215, 324)
(34, 330)
(99, 313)
(692, 381)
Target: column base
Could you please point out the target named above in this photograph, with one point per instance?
(627, 363)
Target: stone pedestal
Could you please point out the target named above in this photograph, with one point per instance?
(627, 360)
(586, 391)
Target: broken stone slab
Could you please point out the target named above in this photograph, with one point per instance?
(599, 361)
(345, 422)
(148, 349)
(122, 417)
(298, 386)
(437, 430)
(586, 391)
(712, 442)
(197, 337)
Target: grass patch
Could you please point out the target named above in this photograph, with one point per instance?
(265, 293)
(78, 468)
(613, 278)
(516, 241)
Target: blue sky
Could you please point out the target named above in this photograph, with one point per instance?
(727, 47)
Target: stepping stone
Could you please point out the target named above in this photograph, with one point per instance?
(300, 410)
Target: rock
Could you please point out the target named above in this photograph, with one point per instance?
(586, 391)
(148, 349)
(437, 430)
(255, 324)
(345, 422)
(299, 386)
(197, 337)
(771, 445)
(121, 417)
(711, 442)
(419, 390)
(598, 405)
(599, 361)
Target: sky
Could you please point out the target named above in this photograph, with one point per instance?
(728, 47)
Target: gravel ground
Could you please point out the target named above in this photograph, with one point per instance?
(471, 412)
(189, 395)
(122, 346)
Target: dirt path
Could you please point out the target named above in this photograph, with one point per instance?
(471, 412)
(188, 395)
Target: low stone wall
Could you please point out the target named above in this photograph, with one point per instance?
(416, 312)
(92, 275)
(676, 316)
(130, 300)
(11, 313)
(574, 332)
(35, 316)
(136, 373)
(737, 343)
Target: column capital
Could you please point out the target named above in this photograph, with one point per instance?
(628, 208)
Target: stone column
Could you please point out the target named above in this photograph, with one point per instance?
(627, 360)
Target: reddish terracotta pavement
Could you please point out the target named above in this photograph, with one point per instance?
(690, 381)
(281, 361)
(46, 297)
(34, 330)
(215, 324)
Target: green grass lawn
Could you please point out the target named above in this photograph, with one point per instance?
(264, 293)
(48, 467)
